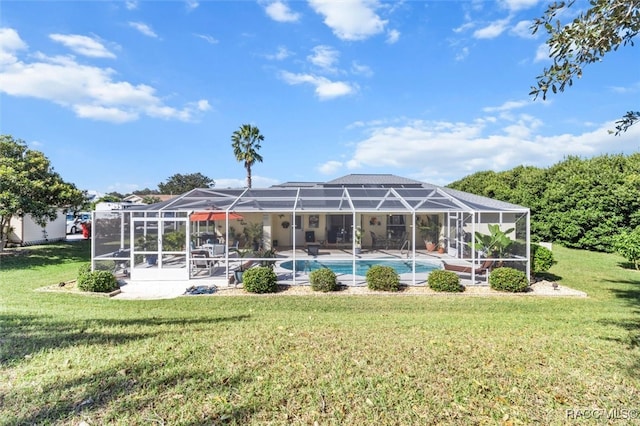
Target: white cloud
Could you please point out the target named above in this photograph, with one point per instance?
(143, 28)
(523, 29)
(632, 88)
(280, 11)
(393, 36)
(192, 4)
(324, 57)
(131, 4)
(209, 39)
(83, 45)
(359, 69)
(507, 106)
(89, 91)
(10, 45)
(492, 30)
(203, 105)
(447, 151)
(462, 53)
(282, 54)
(515, 5)
(324, 88)
(350, 19)
(542, 53)
(464, 27)
(330, 167)
(256, 182)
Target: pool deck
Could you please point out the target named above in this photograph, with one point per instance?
(219, 278)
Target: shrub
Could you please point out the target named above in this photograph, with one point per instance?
(508, 279)
(441, 280)
(97, 281)
(83, 276)
(323, 279)
(260, 279)
(627, 244)
(542, 259)
(383, 278)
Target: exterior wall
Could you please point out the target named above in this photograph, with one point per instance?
(28, 232)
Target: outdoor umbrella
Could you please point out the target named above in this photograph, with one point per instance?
(212, 216)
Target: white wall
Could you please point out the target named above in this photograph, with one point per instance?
(28, 232)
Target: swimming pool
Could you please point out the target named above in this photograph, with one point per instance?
(362, 266)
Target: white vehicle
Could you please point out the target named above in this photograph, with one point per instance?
(74, 222)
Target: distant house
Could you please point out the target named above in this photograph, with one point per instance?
(27, 232)
(130, 201)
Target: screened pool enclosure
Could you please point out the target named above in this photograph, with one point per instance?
(209, 234)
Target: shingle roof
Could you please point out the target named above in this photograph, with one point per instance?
(368, 180)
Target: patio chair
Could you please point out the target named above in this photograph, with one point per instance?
(483, 269)
(200, 260)
(377, 241)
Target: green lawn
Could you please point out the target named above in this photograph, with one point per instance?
(334, 359)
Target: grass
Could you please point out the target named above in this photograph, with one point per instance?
(65, 357)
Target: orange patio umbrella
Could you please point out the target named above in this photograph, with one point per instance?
(213, 215)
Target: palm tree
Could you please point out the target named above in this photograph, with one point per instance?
(246, 143)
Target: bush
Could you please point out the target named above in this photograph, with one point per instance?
(627, 244)
(508, 279)
(83, 276)
(441, 280)
(323, 279)
(383, 278)
(97, 281)
(260, 279)
(542, 259)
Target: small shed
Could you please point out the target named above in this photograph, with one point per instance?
(27, 232)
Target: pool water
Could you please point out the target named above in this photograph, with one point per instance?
(362, 266)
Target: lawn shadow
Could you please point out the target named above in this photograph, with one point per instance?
(22, 335)
(45, 255)
(88, 395)
(548, 276)
(627, 265)
(630, 294)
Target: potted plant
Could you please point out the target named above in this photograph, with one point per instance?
(285, 224)
(358, 239)
(253, 232)
(237, 274)
(429, 231)
(148, 243)
(496, 244)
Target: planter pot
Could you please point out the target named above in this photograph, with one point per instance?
(430, 246)
(152, 260)
(441, 250)
(238, 276)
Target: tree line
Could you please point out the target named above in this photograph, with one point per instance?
(582, 203)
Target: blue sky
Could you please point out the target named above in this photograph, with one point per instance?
(121, 95)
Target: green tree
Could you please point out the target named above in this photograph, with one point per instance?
(604, 27)
(179, 184)
(246, 143)
(577, 202)
(146, 191)
(627, 244)
(29, 185)
(150, 199)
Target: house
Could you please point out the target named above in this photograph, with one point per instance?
(374, 216)
(129, 201)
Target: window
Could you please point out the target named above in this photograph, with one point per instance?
(396, 226)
